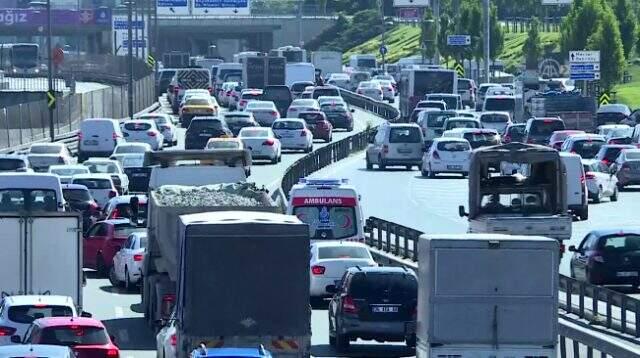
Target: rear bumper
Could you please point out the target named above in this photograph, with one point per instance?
(318, 286)
(402, 161)
(629, 179)
(378, 330)
(88, 154)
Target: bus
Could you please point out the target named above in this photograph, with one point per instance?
(293, 54)
(365, 62)
(415, 83)
(20, 58)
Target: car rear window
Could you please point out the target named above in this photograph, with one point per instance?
(27, 199)
(259, 105)
(124, 149)
(516, 130)
(480, 137)
(251, 95)
(288, 125)
(333, 107)
(326, 92)
(254, 133)
(124, 230)
(343, 252)
(405, 135)
(303, 103)
(73, 335)
(201, 125)
(29, 313)
(233, 119)
(620, 243)
(223, 144)
(374, 284)
(587, 149)
(435, 119)
(494, 118)
(450, 101)
(546, 127)
(44, 149)
(106, 168)
(76, 195)
(462, 124)
(632, 156)
(611, 154)
(277, 94)
(94, 183)
(124, 210)
(11, 164)
(136, 126)
(453, 146)
(464, 84)
(311, 117)
(197, 102)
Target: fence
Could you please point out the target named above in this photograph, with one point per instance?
(523, 24)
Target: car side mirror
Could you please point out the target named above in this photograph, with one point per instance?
(16, 339)
(573, 248)
(86, 315)
(352, 110)
(461, 211)
(332, 289)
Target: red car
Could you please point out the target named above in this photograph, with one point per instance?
(103, 240)
(318, 124)
(558, 137)
(87, 337)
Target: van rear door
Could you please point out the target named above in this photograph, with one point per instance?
(12, 254)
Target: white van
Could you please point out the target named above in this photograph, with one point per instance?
(364, 62)
(30, 192)
(331, 207)
(577, 198)
(98, 137)
(500, 103)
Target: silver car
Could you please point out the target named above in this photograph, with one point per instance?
(370, 89)
(397, 144)
(264, 112)
(165, 125)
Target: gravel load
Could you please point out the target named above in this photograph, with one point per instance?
(241, 194)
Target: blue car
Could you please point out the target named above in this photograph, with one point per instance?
(203, 352)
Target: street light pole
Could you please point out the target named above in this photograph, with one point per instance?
(384, 31)
(130, 56)
(135, 25)
(300, 41)
(50, 70)
(436, 17)
(487, 39)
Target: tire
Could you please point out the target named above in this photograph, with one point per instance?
(620, 187)
(127, 282)
(409, 167)
(112, 278)
(350, 129)
(424, 172)
(280, 158)
(411, 341)
(274, 160)
(584, 214)
(381, 164)
(598, 197)
(465, 174)
(432, 174)
(100, 266)
(614, 196)
(342, 341)
(332, 341)
(369, 165)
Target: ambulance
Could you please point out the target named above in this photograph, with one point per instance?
(331, 207)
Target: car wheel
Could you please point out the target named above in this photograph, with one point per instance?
(411, 341)
(280, 158)
(381, 164)
(113, 279)
(274, 160)
(590, 278)
(369, 165)
(620, 187)
(598, 197)
(328, 140)
(614, 196)
(127, 280)
(342, 341)
(174, 143)
(584, 214)
(350, 128)
(432, 174)
(100, 266)
(423, 172)
(409, 167)
(465, 174)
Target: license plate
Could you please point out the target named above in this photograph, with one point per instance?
(404, 151)
(384, 309)
(627, 274)
(90, 142)
(205, 135)
(454, 167)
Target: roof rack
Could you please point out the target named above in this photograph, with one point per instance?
(323, 182)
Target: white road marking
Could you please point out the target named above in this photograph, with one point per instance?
(119, 312)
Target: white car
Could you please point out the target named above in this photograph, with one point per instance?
(127, 263)
(111, 167)
(370, 89)
(302, 105)
(447, 155)
(167, 340)
(17, 312)
(600, 182)
(293, 134)
(388, 92)
(262, 143)
(100, 186)
(495, 120)
(66, 172)
(126, 149)
(37, 350)
(264, 112)
(143, 131)
(330, 260)
(248, 95)
(42, 155)
(164, 123)
(609, 131)
(341, 80)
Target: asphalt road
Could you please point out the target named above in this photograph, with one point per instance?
(120, 311)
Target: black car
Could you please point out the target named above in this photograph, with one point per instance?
(373, 303)
(238, 120)
(280, 95)
(202, 129)
(339, 115)
(514, 133)
(608, 257)
(79, 200)
(539, 130)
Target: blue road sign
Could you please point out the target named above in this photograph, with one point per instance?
(587, 67)
(458, 40)
(585, 76)
(383, 50)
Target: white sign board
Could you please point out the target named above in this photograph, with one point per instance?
(411, 3)
(173, 7)
(584, 56)
(221, 7)
(120, 33)
(557, 2)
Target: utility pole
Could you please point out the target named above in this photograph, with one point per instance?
(155, 35)
(135, 25)
(300, 42)
(436, 18)
(383, 44)
(487, 39)
(52, 133)
(130, 56)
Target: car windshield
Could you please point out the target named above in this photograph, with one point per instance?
(587, 149)
(405, 135)
(254, 133)
(106, 168)
(27, 200)
(389, 285)
(328, 222)
(223, 144)
(28, 313)
(494, 118)
(44, 149)
(288, 125)
(436, 120)
(76, 194)
(546, 127)
(123, 149)
(68, 172)
(511, 203)
(343, 252)
(515, 130)
(7, 164)
(454, 146)
(73, 335)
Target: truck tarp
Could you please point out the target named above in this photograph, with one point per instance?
(244, 277)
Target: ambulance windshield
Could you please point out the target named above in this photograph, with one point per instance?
(328, 219)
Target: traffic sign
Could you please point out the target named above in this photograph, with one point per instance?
(383, 50)
(411, 3)
(584, 67)
(58, 56)
(151, 62)
(584, 56)
(458, 40)
(51, 99)
(604, 98)
(585, 76)
(459, 69)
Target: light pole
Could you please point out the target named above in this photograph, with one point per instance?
(130, 56)
(487, 38)
(50, 71)
(436, 17)
(300, 41)
(135, 25)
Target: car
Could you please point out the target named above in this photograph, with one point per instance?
(103, 240)
(302, 105)
(431, 123)
(12, 163)
(298, 87)
(477, 138)
(373, 303)
(120, 207)
(609, 152)
(338, 114)
(600, 181)
(341, 80)
(264, 112)
(164, 122)
(195, 92)
(225, 94)
(576, 191)
(98, 137)
(126, 149)
(167, 339)
(66, 171)
(202, 129)
(17, 312)
(224, 144)
(627, 168)
(330, 260)
(248, 95)
(36, 350)
(196, 107)
(100, 186)
(42, 155)
(453, 101)
(539, 129)
(143, 131)
(397, 144)
(460, 122)
(446, 155)
(607, 256)
(79, 199)
(238, 120)
(163, 80)
(614, 130)
(204, 352)
(111, 167)
(482, 91)
(126, 269)
(586, 145)
(495, 120)
(293, 134)
(558, 137)
(388, 92)
(387, 77)
(187, 79)
(499, 91)
(262, 143)
(358, 76)
(87, 337)
(319, 125)
(514, 133)
(467, 90)
(371, 90)
(234, 98)
(614, 113)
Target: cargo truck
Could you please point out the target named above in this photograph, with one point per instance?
(243, 282)
(487, 296)
(327, 61)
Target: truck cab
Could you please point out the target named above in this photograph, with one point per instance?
(331, 208)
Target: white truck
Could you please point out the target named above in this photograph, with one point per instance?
(327, 61)
(487, 296)
(299, 72)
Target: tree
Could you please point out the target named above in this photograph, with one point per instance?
(496, 43)
(532, 47)
(580, 24)
(627, 25)
(428, 34)
(608, 41)
(444, 29)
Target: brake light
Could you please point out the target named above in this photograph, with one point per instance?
(547, 121)
(318, 270)
(348, 306)
(174, 340)
(151, 133)
(185, 110)
(113, 353)
(114, 135)
(176, 89)
(274, 113)
(589, 175)
(40, 305)
(303, 133)
(115, 213)
(562, 248)
(167, 304)
(7, 331)
(269, 142)
(436, 155)
(605, 161)
(137, 257)
(385, 149)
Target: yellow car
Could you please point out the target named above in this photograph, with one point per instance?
(197, 106)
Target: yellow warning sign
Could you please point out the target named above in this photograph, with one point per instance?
(459, 69)
(51, 99)
(151, 62)
(604, 98)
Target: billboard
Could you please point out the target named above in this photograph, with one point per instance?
(221, 7)
(120, 33)
(173, 7)
(37, 17)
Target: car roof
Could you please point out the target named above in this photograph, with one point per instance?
(57, 300)
(34, 350)
(66, 321)
(133, 144)
(442, 95)
(74, 187)
(92, 176)
(335, 243)
(619, 230)
(28, 180)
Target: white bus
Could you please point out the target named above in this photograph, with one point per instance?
(363, 62)
(414, 84)
(293, 54)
